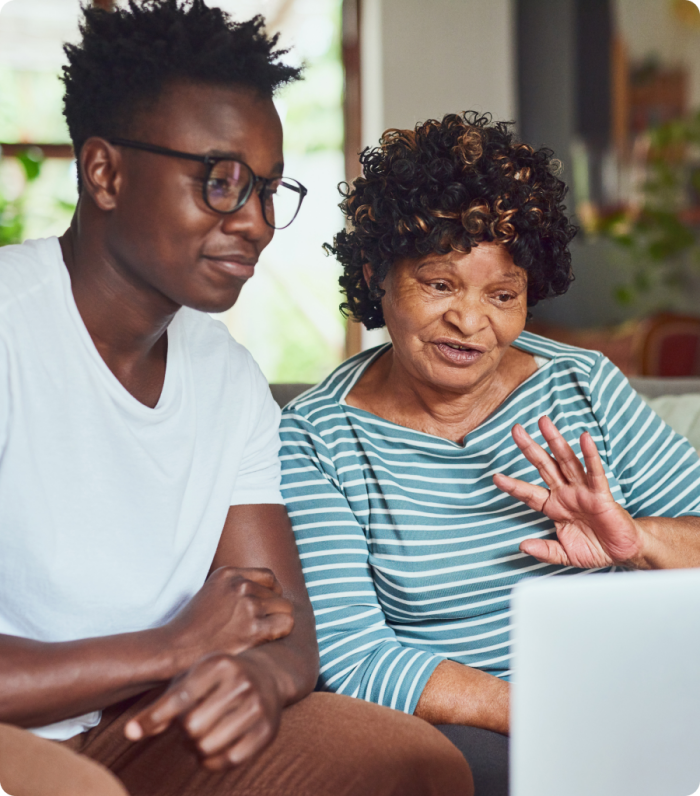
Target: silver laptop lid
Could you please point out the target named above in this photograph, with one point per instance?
(606, 685)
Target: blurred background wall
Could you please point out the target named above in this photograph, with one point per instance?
(589, 78)
(612, 86)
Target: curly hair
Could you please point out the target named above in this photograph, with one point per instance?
(128, 55)
(447, 186)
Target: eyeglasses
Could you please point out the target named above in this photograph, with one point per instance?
(228, 184)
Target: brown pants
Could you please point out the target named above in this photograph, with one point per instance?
(328, 745)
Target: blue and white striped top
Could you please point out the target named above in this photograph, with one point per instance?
(409, 550)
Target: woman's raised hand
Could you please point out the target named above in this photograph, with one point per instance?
(592, 529)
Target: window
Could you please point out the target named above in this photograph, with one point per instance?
(287, 314)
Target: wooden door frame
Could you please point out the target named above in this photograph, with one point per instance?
(352, 119)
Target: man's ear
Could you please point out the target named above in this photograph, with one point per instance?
(101, 172)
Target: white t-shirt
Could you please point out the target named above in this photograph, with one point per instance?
(110, 511)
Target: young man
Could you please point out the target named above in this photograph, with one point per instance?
(153, 615)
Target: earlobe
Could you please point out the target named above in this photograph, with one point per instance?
(376, 293)
(100, 171)
(367, 273)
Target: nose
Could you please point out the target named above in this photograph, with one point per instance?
(249, 222)
(467, 313)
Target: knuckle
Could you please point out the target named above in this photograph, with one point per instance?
(201, 746)
(286, 605)
(241, 587)
(224, 663)
(225, 573)
(284, 623)
(257, 706)
(264, 571)
(249, 607)
(216, 664)
(268, 731)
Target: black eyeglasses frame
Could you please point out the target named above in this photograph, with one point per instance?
(210, 161)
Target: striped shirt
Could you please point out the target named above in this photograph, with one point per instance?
(409, 550)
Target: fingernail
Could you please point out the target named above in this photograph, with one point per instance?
(133, 731)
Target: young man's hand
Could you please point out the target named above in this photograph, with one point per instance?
(229, 706)
(235, 610)
(240, 608)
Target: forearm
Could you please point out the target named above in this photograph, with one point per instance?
(667, 543)
(292, 661)
(458, 694)
(41, 683)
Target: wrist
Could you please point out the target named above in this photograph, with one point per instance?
(458, 694)
(275, 677)
(645, 544)
(496, 716)
(161, 654)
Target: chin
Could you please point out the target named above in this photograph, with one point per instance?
(213, 301)
(456, 380)
(457, 386)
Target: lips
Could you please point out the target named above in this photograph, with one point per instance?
(460, 353)
(234, 265)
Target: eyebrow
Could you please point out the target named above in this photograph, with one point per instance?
(278, 168)
(512, 276)
(435, 262)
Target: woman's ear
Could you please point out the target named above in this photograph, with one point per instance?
(367, 273)
(100, 172)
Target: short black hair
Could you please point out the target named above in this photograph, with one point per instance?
(447, 186)
(127, 56)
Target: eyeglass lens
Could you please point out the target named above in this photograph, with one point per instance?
(228, 187)
(281, 202)
(229, 182)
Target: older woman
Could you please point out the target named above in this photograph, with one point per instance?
(415, 475)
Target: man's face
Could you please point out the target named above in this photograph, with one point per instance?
(161, 233)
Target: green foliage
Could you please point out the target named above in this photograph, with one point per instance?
(660, 235)
(31, 160)
(12, 211)
(11, 226)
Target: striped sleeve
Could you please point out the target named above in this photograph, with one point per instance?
(360, 653)
(657, 469)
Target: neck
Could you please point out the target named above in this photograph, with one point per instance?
(126, 318)
(461, 411)
(393, 392)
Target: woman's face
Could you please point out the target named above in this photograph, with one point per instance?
(452, 317)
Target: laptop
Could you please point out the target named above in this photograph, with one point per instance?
(606, 685)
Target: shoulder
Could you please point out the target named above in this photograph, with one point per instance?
(26, 268)
(561, 354)
(322, 402)
(579, 371)
(224, 376)
(211, 345)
